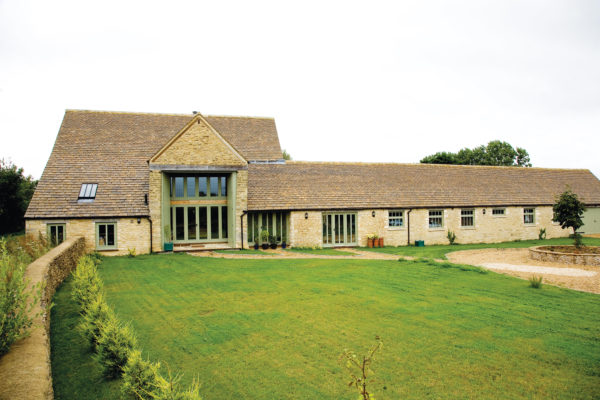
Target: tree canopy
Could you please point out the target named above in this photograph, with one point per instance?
(16, 190)
(568, 210)
(495, 153)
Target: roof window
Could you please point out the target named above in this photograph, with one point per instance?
(88, 192)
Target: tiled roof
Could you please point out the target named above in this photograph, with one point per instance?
(315, 185)
(112, 150)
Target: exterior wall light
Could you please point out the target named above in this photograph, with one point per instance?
(139, 220)
(305, 215)
(484, 211)
(373, 214)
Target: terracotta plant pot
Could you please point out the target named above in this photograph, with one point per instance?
(370, 242)
(381, 242)
(376, 242)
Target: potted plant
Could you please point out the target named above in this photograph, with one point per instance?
(264, 239)
(375, 241)
(256, 245)
(168, 245)
(370, 240)
(283, 245)
(273, 241)
(279, 240)
(380, 242)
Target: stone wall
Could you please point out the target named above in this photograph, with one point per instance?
(488, 228)
(25, 369)
(130, 233)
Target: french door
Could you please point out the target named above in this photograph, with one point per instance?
(339, 229)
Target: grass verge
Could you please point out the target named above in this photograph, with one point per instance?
(321, 252)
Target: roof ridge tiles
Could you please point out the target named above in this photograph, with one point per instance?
(166, 114)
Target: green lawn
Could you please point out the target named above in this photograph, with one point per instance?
(440, 251)
(274, 329)
(322, 252)
(244, 252)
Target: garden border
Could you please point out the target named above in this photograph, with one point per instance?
(541, 254)
(25, 369)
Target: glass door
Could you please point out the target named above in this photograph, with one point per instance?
(339, 229)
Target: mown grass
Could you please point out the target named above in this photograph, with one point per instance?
(440, 251)
(244, 251)
(274, 329)
(322, 252)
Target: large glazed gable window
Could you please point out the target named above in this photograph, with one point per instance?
(87, 192)
(198, 187)
(436, 218)
(106, 235)
(529, 216)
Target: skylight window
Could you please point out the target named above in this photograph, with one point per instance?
(88, 191)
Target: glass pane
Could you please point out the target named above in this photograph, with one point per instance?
(324, 229)
(110, 234)
(179, 223)
(224, 222)
(191, 186)
(284, 227)
(250, 228)
(329, 227)
(53, 235)
(202, 223)
(88, 190)
(60, 234)
(202, 186)
(214, 186)
(223, 186)
(179, 186)
(214, 222)
(342, 231)
(82, 191)
(101, 235)
(94, 188)
(191, 223)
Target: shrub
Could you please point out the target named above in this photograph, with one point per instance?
(360, 369)
(168, 389)
(115, 343)
(451, 237)
(131, 252)
(542, 234)
(87, 285)
(14, 299)
(535, 281)
(98, 313)
(141, 379)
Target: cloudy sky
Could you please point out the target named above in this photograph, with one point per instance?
(345, 81)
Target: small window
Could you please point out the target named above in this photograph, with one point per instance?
(106, 236)
(56, 234)
(223, 186)
(436, 218)
(396, 219)
(499, 212)
(467, 218)
(529, 216)
(214, 186)
(88, 191)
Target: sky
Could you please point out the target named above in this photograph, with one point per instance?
(376, 81)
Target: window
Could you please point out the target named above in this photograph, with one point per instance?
(56, 234)
(529, 216)
(395, 219)
(87, 192)
(436, 218)
(106, 235)
(274, 222)
(499, 212)
(198, 186)
(467, 218)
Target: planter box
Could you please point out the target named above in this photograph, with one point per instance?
(168, 246)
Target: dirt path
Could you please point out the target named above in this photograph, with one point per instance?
(516, 262)
(281, 254)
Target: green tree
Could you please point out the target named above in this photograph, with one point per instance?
(568, 210)
(286, 155)
(495, 153)
(16, 190)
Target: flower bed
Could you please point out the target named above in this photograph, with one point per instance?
(588, 255)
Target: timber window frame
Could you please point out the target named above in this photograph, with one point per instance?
(436, 219)
(274, 222)
(106, 235)
(467, 218)
(395, 219)
(87, 193)
(529, 215)
(56, 233)
(499, 212)
(198, 186)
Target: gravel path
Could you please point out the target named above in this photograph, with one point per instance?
(516, 262)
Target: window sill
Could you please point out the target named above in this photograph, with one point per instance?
(107, 248)
(472, 228)
(437, 229)
(395, 228)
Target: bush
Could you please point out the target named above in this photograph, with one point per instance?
(141, 379)
(96, 317)
(169, 389)
(542, 234)
(451, 237)
(115, 343)
(14, 295)
(87, 285)
(535, 281)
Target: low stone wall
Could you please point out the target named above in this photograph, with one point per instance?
(541, 253)
(25, 369)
